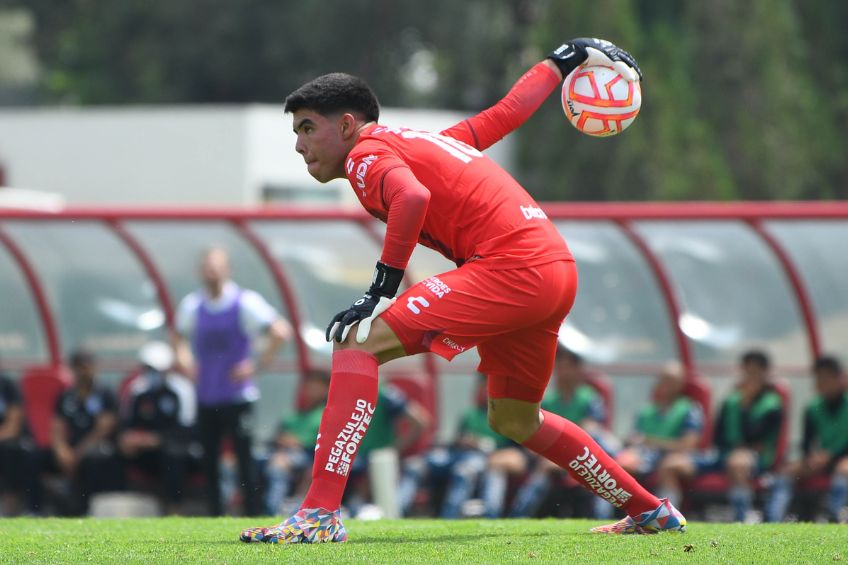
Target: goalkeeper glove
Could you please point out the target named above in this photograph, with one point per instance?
(593, 51)
(377, 300)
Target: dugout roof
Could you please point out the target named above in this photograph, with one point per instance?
(697, 282)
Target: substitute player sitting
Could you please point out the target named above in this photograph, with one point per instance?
(514, 283)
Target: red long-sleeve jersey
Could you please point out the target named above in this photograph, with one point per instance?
(441, 191)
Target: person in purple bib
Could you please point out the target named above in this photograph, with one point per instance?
(215, 326)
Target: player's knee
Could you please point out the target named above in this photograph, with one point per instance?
(677, 464)
(381, 342)
(515, 419)
(741, 462)
(841, 467)
(514, 427)
(629, 459)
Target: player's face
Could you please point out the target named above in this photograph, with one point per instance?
(215, 268)
(567, 372)
(323, 143)
(828, 384)
(84, 373)
(754, 373)
(669, 386)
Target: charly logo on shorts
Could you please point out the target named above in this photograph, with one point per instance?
(453, 345)
(413, 301)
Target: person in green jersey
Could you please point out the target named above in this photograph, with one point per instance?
(745, 437)
(670, 423)
(573, 398)
(292, 448)
(825, 445)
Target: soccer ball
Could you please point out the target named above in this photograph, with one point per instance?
(599, 101)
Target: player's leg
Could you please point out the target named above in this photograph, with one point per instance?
(502, 464)
(466, 305)
(464, 470)
(239, 421)
(741, 464)
(209, 427)
(351, 402)
(519, 366)
(672, 469)
(570, 447)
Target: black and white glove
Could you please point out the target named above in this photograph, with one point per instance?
(377, 300)
(593, 51)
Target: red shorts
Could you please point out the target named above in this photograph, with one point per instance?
(512, 316)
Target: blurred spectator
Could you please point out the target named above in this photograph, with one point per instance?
(156, 435)
(746, 434)
(215, 326)
(670, 423)
(459, 466)
(395, 411)
(15, 473)
(291, 452)
(572, 398)
(825, 445)
(82, 438)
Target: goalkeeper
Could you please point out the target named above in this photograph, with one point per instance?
(514, 283)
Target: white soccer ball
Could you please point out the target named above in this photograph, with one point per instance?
(599, 101)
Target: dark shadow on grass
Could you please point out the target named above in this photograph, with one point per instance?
(377, 540)
(362, 539)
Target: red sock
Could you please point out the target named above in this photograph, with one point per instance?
(570, 447)
(347, 415)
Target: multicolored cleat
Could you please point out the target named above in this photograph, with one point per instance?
(307, 525)
(665, 518)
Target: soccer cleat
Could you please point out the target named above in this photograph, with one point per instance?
(307, 525)
(665, 518)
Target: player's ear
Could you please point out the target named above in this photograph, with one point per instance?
(347, 125)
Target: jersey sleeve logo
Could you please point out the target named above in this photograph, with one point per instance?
(360, 171)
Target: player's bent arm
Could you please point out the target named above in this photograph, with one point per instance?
(279, 332)
(489, 126)
(407, 201)
(182, 355)
(524, 98)
(104, 427)
(13, 424)
(58, 441)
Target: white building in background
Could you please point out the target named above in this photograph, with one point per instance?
(182, 155)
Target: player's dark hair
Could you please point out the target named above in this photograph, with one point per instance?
(756, 357)
(563, 352)
(335, 92)
(827, 363)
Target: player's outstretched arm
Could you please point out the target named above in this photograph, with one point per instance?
(533, 88)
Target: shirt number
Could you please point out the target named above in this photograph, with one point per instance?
(458, 149)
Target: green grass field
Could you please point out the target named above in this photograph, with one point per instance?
(207, 540)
